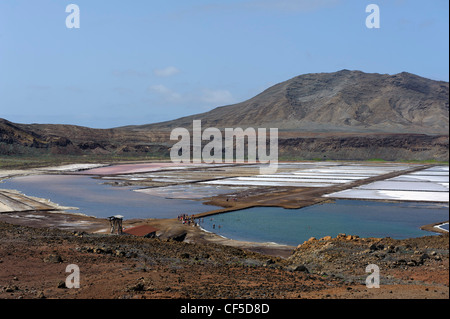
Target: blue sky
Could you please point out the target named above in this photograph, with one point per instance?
(143, 61)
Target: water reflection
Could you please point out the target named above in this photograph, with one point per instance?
(96, 199)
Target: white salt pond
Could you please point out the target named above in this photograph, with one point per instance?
(413, 196)
(419, 178)
(394, 184)
(291, 179)
(328, 175)
(268, 184)
(314, 175)
(428, 185)
(298, 176)
(190, 191)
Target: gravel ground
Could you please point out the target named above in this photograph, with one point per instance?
(33, 264)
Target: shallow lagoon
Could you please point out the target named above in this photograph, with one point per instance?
(355, 217)
(96, 199)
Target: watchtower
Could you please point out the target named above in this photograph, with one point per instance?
(116, 224)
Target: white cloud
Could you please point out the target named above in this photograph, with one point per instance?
(199, 97)
(166, 72)
(217, 97)
(167, 93)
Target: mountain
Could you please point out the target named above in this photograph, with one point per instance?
(44, 139)
(344, 101)
(346, 115)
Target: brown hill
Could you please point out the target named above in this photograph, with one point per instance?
(344, 101)
(346, 115)
(19, 136)
(42, 139)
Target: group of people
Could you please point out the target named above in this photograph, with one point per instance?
(187, 219)
(190, 220)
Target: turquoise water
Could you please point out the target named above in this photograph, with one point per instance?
(355, 217)
(96, 199)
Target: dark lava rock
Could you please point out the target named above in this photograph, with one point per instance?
(56, 259)
(301, 268)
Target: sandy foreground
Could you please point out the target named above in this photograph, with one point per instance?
(185, 262)
(35, 251)
(34, 260)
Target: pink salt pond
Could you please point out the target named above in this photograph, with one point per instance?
(135, 168)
